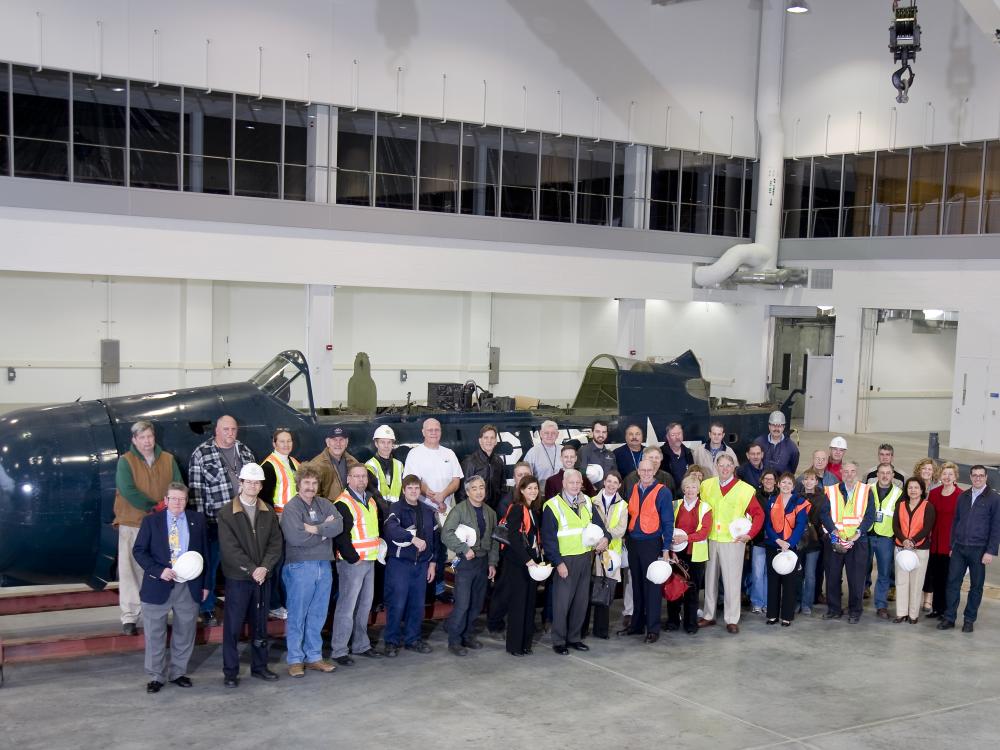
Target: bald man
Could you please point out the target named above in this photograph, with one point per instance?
(440, 474)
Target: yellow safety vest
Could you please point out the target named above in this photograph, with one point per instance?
(364, 532)
(699, 550)
(884, 527)
(613, 520)
(571, 525)
(284, 487)
(725, 508)
(392, 490)
(848, 513)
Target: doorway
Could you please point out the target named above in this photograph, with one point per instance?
(795, 340)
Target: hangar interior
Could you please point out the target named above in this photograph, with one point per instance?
(209, 184)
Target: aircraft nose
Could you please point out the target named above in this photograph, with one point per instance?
(52, 472)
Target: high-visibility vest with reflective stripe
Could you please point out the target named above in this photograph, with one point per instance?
(725, 508)
(848, 513)
(364, 532)
(284, 486)
(393, 489)
(571, 525)
(614, 518)
(699, 550)
(884, 527)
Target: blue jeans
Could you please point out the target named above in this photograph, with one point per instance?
(882, 551)
(307, 593)
(965, 557)
(758, 577)
(212, 558)
(808, 594)
(405, 591)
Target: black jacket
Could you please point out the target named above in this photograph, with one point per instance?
(524, 545)
(493, 470)
(245, 547)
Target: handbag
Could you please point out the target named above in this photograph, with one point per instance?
(677, 585)
(602, 591)
(501, 533)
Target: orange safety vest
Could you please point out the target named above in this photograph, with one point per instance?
(284, 488)
(645, 512)
(524, 522)
(784, 523)
(911, 523)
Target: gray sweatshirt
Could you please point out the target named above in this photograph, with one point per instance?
(300, 545)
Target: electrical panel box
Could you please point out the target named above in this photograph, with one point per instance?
(494, 365)
(110, 361)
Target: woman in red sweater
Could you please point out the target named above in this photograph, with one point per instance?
(944, 498)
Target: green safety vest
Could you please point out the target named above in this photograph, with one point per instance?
(393, 490)
(725, 508)
(571, 525)
(613, 519)
(699, 550)
(887, 509)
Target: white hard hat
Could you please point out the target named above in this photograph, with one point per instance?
(680, 540)
(466, 535)
(413, 533)
(612, 561)
(838, 442)
(658, 572)
(776, 417)
(740, 527)
(188, 566)
(785, 562)
(384, 431)
(252, 472)
(595, 473)
(383, 550)
(592, 534)
(907, 560)
(540, 572)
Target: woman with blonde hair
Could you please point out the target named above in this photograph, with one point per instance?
(944, 498)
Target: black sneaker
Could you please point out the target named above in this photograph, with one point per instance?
(458, 650)
(130, 628)
(391, 650)
(419, 646)
(473, 643)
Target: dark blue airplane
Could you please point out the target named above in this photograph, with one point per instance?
(57, 463)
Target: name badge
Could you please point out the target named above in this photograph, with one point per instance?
(879, 516)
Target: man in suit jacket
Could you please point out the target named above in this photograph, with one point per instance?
(163, 537)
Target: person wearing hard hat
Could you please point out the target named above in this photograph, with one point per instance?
(523, 553)
(596, 453)
(163, 538)
(613, 511)
(412, 537)
(912, 524)
(848, 516)
(730, 499)
(279, 488)
(564, 519)
(692, 516)
(213, 478)
(650, 534)
(250, 544)
(786, 518)
(487, 463)
(780, 451)
(309, 523)
(838, 447)
(477, 563)
(567, 456)
(386, 484)
(141, 479)
(706, 453)
(334, 463)
(357, 549)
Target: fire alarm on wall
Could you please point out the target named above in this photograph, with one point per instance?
(329, 347)
(631, 352)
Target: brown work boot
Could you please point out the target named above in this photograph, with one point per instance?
(703, 623)
(296, 670)
(320, 666)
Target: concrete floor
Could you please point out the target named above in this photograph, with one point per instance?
(817, 684)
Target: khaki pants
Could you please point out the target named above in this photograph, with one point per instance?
(909, 586)
(129, 575)
(725, 558)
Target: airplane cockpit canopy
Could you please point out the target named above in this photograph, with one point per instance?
(286, 378)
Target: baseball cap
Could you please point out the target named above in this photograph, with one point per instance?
(336, 431)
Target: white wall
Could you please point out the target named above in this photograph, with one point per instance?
(837, 63)
(649, 53)
(912, 379)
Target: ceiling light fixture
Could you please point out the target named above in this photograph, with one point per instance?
(797, 6)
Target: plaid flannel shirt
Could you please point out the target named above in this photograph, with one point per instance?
(208, 480)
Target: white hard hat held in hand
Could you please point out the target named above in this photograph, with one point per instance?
(595, 473)
(785, 562)
(466, 535)
(591, 535)
(658, 572)
(188, 566)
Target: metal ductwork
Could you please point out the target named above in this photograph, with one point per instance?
(761, 255)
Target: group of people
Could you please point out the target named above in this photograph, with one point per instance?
(581, 518)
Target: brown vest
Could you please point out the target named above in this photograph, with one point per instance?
(152, 481)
